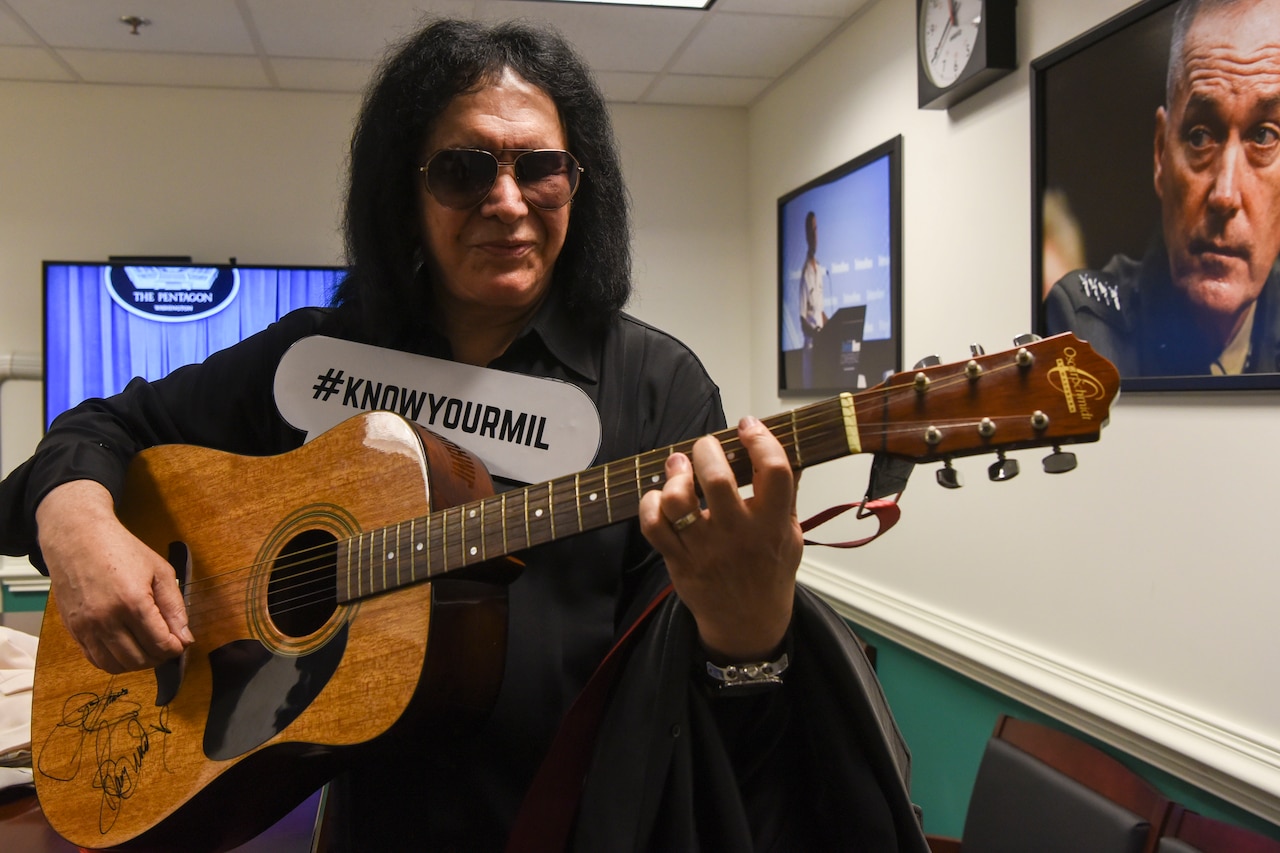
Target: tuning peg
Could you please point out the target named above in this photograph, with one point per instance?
(1028, 338)
(949, 477)
(927, 361)
(976, 350)
(1003, 468)
(1059, 461)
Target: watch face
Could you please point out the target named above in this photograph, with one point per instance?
(948, 32)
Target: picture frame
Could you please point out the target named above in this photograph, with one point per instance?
(855, 341)
(1094, 201)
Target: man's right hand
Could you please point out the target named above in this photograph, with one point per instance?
(119, 600)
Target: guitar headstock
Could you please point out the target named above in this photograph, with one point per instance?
(1042, 393)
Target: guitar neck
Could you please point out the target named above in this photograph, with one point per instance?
(450, 539)
(1043, 393)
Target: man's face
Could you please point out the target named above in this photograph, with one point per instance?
(1217, 158)
(496, 258)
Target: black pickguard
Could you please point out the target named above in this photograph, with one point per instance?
(258, 692)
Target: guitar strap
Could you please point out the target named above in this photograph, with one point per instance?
(546, 816)
(887, 513)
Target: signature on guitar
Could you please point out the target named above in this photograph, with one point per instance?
(121, 740)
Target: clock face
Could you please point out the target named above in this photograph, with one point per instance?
(948, 33)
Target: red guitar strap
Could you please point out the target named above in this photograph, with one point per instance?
(887, 512)
(546, 815)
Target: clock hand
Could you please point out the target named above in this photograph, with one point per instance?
(943, 38)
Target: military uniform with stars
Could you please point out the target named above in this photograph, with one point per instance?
(1131, 313)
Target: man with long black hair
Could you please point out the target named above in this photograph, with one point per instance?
(486, 226)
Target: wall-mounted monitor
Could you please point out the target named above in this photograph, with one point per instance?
(840, 276)
(105, 323)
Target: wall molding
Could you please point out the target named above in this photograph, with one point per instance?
(1235, 765)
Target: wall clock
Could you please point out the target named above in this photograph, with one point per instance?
(961, 47)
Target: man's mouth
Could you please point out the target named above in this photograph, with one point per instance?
(1211, 250)
(505, 247)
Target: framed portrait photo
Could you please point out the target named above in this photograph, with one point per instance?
(1156, 223)
(840, 276)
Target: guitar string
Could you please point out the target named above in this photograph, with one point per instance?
(809, 413)
(808, 419)
(325, 573)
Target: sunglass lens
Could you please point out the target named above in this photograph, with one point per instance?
(461, 179)
(548, 179)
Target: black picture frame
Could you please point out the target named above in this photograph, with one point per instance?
(858, 210)
(1093, 107)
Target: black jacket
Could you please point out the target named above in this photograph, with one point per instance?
(668, 774)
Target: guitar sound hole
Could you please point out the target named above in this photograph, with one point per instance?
(302, 593)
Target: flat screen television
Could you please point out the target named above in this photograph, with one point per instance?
(105, 323)
(855, 213)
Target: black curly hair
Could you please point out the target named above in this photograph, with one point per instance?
(386, 293)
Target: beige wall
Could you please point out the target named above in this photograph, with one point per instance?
(91, 171)
(1134, 597)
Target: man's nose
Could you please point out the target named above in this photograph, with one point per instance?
(1224, 194)
(505, 185)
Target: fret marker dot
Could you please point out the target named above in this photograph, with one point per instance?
(591, 496)
(391, 555)
(472, 514)
(731, 455)
(655, 478)
(419, 546)
(473, 550)
(537, 513)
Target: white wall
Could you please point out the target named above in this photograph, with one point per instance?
(1134, 597)
(90, 171)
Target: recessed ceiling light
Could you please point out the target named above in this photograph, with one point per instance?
(666, 4)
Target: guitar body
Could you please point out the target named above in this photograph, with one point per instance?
(282, 681)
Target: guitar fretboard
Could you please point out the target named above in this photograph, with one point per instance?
(449, 539)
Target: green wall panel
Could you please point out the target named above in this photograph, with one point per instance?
(947, 720)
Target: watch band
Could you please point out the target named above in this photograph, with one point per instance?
(748, 677)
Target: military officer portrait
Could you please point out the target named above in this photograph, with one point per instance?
(1204, 299)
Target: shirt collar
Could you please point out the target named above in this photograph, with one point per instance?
(564, 338)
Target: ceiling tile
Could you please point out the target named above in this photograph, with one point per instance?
(31, 63)
(623, 87)
(639, 54)
(610, 38)
(776, 43)
(342, 29)
(322, 75)
(819, 8)
(706, 91)
(191, 26)
(168, 69)
(11, 30)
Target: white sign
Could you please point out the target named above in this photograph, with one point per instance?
(524, 428)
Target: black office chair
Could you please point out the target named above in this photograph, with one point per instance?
(1040, 790)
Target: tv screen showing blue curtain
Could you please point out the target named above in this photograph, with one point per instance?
(105, 323)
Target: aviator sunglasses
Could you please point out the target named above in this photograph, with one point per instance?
(461, 178)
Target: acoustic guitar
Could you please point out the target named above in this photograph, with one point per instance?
(342, 589)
